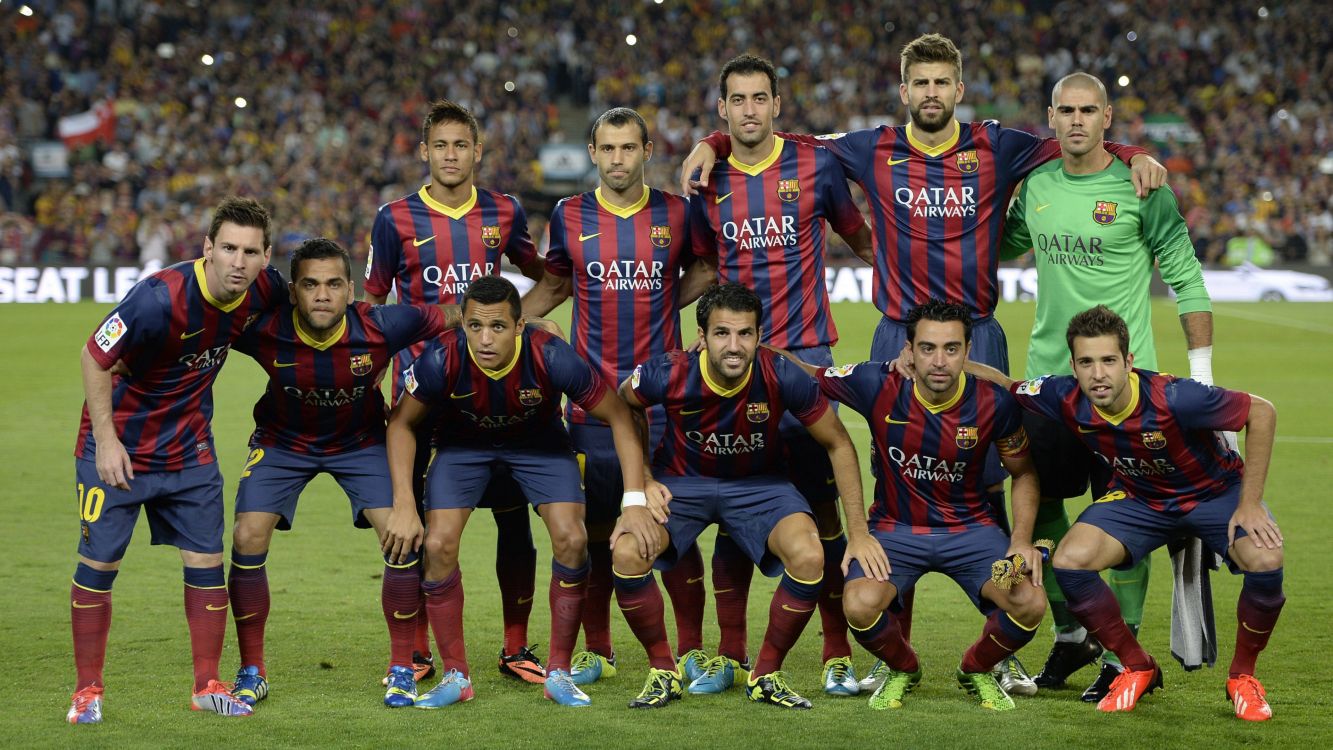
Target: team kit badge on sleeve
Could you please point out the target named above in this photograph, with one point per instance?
(841, 371)
(111, 332)
(410, 379)
(1030, 387)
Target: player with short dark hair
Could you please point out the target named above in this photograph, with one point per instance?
(497, 386)
(427, 247)
(146, 442)
(722, 461)
(762, 219)
(931, 512)
(323, 412)
(1095, 241)
(623, 253)
(1170, 475)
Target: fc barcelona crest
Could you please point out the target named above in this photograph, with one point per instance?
(530, 396)
(789, 190)
(966, 437)
(757, 412)
(490, 235)
(1104, 213)
(967, 162)
(361, 364)
(1154, 440)
(661, 235)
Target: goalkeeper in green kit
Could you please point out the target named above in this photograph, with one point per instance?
(1095, 242)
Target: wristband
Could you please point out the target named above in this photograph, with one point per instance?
(633, 498)
(1201, 364)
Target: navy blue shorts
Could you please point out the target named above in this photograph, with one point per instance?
(965, 556)
(184, 510)
(811, 471)
(747, 509)
(1141, 529)
(459, 476)
(989, 347)
(274, 478)
(603, 485)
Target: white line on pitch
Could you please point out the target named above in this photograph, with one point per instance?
(1274, 319)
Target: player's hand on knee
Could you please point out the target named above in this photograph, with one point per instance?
(659, 499)
(903, 363)
(870, 553)
(701, 159)
(113, 464)
(637, 523)
(402, 536)
(1258, 524)
(1032, 561)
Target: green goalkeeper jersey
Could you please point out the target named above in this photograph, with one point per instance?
(1095, 242)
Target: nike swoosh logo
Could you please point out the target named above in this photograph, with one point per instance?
(1041, 207)
(246, 617)
(684, 412)
(690, 581)
(86, 606)
(185, 336)
(896, 162)
(631, 609)
(1246, 625)
(891, 420)
(211, 608)
(1085, 431)
(798, 611)
(525, 600)
(464, 395)
(418, 243)
(400, 616)
(721, 591)
(835, 596)
(831, 480)
(568, 585)
(586, 237)
(276, 363)
(721, 198)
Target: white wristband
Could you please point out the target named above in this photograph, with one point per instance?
(1201, 364)
(633, 498)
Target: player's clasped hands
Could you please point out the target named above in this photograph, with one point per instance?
(1258, 524)
(870, 552)
(402, 534)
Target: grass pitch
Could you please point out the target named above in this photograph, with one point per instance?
(327, 645)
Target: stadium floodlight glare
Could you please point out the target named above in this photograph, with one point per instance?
(1132, 36)
(25, 11)
(509, 86)
(1123, 81)
(512, 32)
(631, 40)
(206, 59)
(240, 102)
(1263, 12)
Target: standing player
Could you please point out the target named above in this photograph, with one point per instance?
(1171, 475)
(722, 461)
(145, 441)
(1095, 242)
(622, 252)
(762, 216)
(428, 246)
(323, 412)
(937, 191)
(497, 388)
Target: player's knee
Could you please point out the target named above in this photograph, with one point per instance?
(249, 537)
(441, 548)
(1252, 559)
(1027, 604)
(863, 601)
(569, 542)
(1073, 557)
(626, 560)
(805, 562)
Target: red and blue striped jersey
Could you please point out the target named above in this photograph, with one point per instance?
(519, 403)
(1162, 449)
(323, 398)
(428, 253)
(173, 336)
(937, 213)
(626, 266)
(931, 458)
(713, 431)
(765, 224)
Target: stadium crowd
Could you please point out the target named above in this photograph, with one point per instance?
(334, 95)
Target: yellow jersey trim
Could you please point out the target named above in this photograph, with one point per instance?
(203, 287)
(313, 343)
(503, 371)
(714, 387)
(453, 213)
(626, 212)
(947, 405)
(934, 150)
(1124, 413)
(754, 169)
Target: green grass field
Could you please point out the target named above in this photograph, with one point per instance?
(327, 645)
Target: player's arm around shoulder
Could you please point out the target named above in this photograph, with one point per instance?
(988, 373)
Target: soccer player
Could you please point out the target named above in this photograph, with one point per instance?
(323, 412)
(1171, 475)
(762, 220)
(930, 512)
(937, 190)
(497, 387)
(1095, 241)
(145, 442)
(723, 461)
(428, 246)
(623, 253)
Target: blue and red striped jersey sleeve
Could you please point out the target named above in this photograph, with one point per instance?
(1205, 407)
(385, 253)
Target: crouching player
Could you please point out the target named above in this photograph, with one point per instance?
(931, 510)
(1171, 476)
(496, 387)
(323, 411)
(722, 461)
